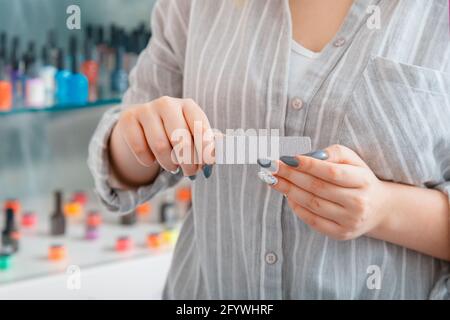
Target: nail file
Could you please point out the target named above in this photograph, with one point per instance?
(246, 149)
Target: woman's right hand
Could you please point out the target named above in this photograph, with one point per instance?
(146, 136)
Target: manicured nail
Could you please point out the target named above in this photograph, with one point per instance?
(176, 171)
(265, 163)
(266, 177)
(269, 165)
(207, 170)
(320, 155)
(290, 161)
(193, 177)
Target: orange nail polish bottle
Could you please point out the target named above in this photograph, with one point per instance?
(5, 89)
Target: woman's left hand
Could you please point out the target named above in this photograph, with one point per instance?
(340, 197)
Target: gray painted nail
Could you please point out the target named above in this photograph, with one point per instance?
(207, 170)
(265, 163)
(176, 171)
(269, 165)
(290, 161)
(320, 155)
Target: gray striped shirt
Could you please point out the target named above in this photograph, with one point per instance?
(384, 93)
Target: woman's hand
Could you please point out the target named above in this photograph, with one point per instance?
(333, 191)
(146, 135)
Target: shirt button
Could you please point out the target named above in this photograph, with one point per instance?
(297, 103)
(271, 258)
(339, 42)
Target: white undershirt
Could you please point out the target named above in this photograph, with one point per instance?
(301, 58)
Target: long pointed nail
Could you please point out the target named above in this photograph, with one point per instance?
(192, 178)
(290, 161)
(176, 171)
(269, 165)
(320, 155)
(264, 163)
(266, 177)
(207, 170)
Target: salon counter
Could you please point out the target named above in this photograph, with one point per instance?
(136, 279)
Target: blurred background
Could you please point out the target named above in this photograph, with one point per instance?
(55, 84)
(39, 137)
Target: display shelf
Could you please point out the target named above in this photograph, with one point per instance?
(62, 108)
(32, 262)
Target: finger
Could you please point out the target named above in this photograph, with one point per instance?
(324, 208)
(201, 131)
(348, 176)
(314, 221)
(133, 135)
(180, 136)
(157, 139)
(314, 185)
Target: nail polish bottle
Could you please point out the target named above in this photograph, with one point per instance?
(90, 68)
(119, 77)
(100, 44)
(10, 238)
(6, 90)
(47, 73)
(3, 47)
(34, 85)
(5, 260)
(111, 52)
(124, 244)
(78, 84)
(184, 200)
(89, 32)
(104, 82)
(29, 220)
(30, 54)
(58, 220)
(53, 47)
(168, 212)
(57, 252)
(16, 76)
(132, 52)
(129, 219)
(112, 35)
(62, 79)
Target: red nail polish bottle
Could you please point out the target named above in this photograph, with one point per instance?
(5, 89)
(90, 66)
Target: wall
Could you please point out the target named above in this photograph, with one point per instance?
(31, 19)
(41, 152)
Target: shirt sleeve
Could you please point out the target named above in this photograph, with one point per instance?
(158, 73)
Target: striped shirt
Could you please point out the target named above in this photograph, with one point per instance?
(383, 92)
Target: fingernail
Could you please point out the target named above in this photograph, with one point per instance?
(266, 177)
(320, 155)
(193, 177)
(290, 161)
(207, 170)
(265, 163)
(269, 165)
(176, 171)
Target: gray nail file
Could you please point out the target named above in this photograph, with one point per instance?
(246, 149)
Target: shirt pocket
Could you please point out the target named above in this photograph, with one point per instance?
(398, 120)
